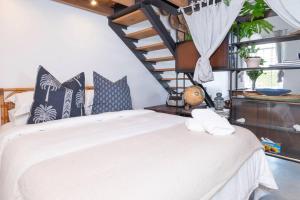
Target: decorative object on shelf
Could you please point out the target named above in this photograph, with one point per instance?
(193, 96)
(219, 101)
(273, 92)
(253, 75)
(253, 62)
(253, 28)
(248, 54)
(175, 100)
(270, 146)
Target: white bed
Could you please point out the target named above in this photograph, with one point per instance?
(129, 155)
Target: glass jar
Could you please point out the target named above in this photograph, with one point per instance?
(219, 102)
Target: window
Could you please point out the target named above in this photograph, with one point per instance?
(270, 77)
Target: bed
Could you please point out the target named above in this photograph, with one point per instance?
(134, 155)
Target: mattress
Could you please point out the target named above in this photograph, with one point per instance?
(127, 155)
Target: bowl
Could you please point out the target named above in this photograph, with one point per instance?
(273, 92)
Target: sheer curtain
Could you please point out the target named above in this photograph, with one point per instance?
(209, 26)
(288, 10)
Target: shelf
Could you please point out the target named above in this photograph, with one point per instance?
(268, 68)
(288, 154)
(283, 130)
(284, 38)
(248, 18)
(264, 100)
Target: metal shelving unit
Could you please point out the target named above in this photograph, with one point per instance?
(265, 118)
(234, 60)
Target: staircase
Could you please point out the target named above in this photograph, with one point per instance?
(142, 12)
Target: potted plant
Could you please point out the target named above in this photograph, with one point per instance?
(248, 54)
(252, 29)
(253, 75)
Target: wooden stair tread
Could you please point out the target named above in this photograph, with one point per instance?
(145, 33)
(131, 18)
(174, 88)
(152, 47)
(164, 70)
(172, 79)
(160, 59)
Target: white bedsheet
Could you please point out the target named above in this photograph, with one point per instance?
(254, 172)
(29, 152)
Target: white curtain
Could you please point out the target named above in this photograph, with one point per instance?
(209, 26)
(288, 10)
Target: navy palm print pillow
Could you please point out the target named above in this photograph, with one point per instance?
(110, 96)
(77, 84)
(53, 100)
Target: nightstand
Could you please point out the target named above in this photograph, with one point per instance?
(180, 111)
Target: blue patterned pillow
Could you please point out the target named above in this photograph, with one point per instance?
(53, 100)
(110, 96)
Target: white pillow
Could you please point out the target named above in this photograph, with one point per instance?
(11, 115)
(21, 120)
(89, 98)
(23, 102)
(17, 120)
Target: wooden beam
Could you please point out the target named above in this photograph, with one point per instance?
(102, 9)
(179, 3)
(125, 2)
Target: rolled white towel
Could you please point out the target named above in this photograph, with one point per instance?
(212, 122)
(194, 125)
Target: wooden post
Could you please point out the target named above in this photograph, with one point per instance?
(2, 105)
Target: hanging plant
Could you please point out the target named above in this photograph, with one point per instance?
(255, 10)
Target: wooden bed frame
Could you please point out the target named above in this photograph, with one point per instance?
(5, 106)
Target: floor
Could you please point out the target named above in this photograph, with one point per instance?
(287, 175)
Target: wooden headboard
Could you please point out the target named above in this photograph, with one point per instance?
(5, 106)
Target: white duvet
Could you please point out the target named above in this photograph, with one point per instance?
(130, 155)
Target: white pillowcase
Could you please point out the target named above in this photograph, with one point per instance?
(22, 103)
(17, 120)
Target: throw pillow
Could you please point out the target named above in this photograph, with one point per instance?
(53, 101)
(110, 96)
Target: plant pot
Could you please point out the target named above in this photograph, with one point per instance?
(253, 62)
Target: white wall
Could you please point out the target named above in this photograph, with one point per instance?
(66, 41)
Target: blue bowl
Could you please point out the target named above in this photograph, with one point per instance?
(273, 92)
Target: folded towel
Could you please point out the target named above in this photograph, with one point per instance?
(212, 122)
(194, 125)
